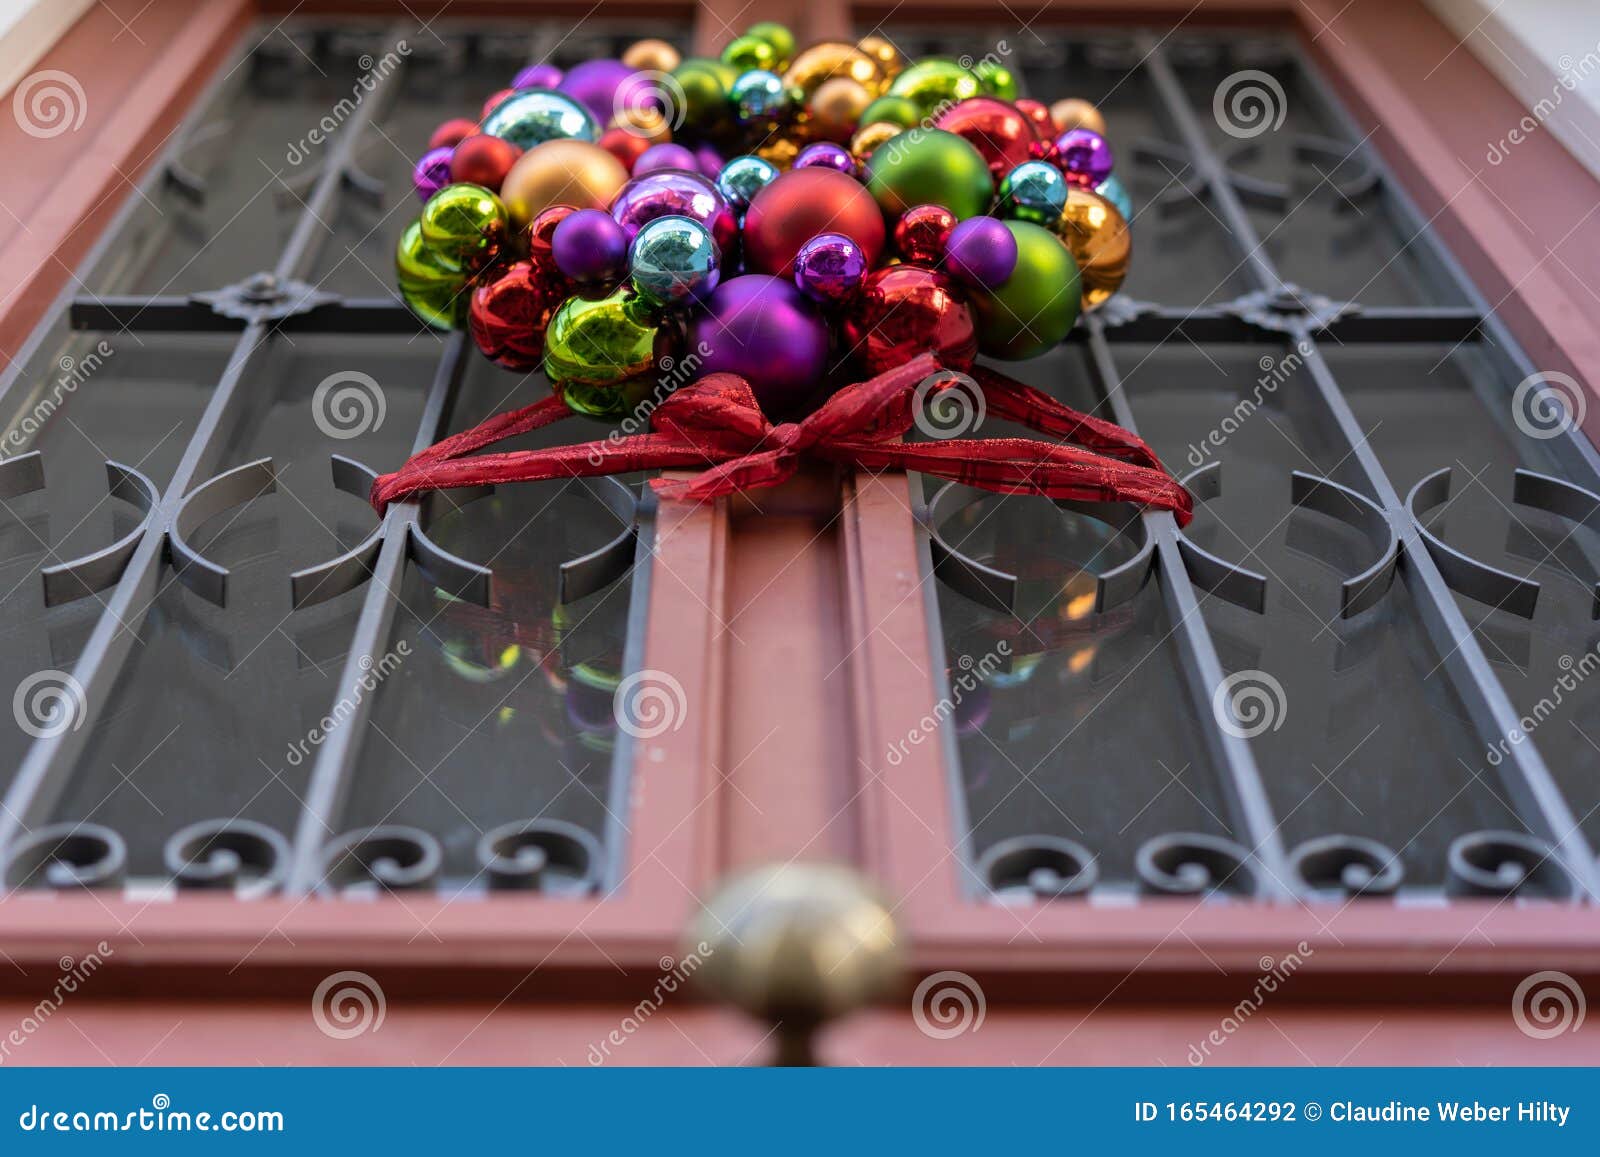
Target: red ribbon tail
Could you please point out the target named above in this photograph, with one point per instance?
(1005, 397)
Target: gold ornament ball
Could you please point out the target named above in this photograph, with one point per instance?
(780, 150)
(652, 56)
(882, 50)
(822, 62)
(564, 172)
(870, 137)
(1100, 242)
(836, 107)
(644, 121)
(1076, 113)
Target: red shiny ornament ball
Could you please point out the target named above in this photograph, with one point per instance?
(452, 133)
(802, 203)
(1038, 115)
(999, 132)
(626, 146)
(1045, 151)
(481, 160)
(490, 104)
(508, 316)
(541, 235)
(905, 310)
(921, 233)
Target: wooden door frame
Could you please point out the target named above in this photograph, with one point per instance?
(697, 788)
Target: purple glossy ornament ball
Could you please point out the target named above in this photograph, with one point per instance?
(708, 161)
(538, 76)
(590, 247)
(981, 252)
(594, 84)
(676, 193)
(665, 157)
(432, 172)
(829, 268)
(827, 155)
(763, 329)
(1084, 156)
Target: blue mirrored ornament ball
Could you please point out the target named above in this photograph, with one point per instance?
(1034, 191)
(674, 260)
(743, 177)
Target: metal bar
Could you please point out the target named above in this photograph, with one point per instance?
(1523, 770)
(352, 315)
(50, 762)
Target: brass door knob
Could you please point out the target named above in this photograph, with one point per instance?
(797, 945)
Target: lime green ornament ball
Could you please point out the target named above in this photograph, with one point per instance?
(464, 223)
(432, 285)
(705, 84)
(934, 82)
(597, 351)
(1037, 306)
(779, 37)
(996, 78)
(893, 110)
(929, 167)
(746, 53)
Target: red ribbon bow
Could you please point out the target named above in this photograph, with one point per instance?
(715, 423)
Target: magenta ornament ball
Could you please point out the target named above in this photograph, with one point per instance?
(827, 155)
(830, 268)
(432, 171)
(1084, 156)
(658, 157)
(981, 252)
(763, 329)
(590, 247)
(594, 84)
(538, 76)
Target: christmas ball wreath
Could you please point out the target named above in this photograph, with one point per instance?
(780, 253)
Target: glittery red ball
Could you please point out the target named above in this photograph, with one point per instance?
(1038, 115)
(905, 310)
(625, 146)
(489, 105)
(452, 133)
(921, 233)
(481, 160)
(541, 237)
(1045, 151)
(801, 204)
(508, 316)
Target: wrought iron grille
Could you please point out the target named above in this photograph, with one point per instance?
(1360, 671)
(1409, 628)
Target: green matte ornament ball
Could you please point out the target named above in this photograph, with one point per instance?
(594, 348)
(747, 53)
(1035, 308)
(934, 82)
(930, 167)
(779, 37)
(996, 78)
(894, 110)
(705, 84)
